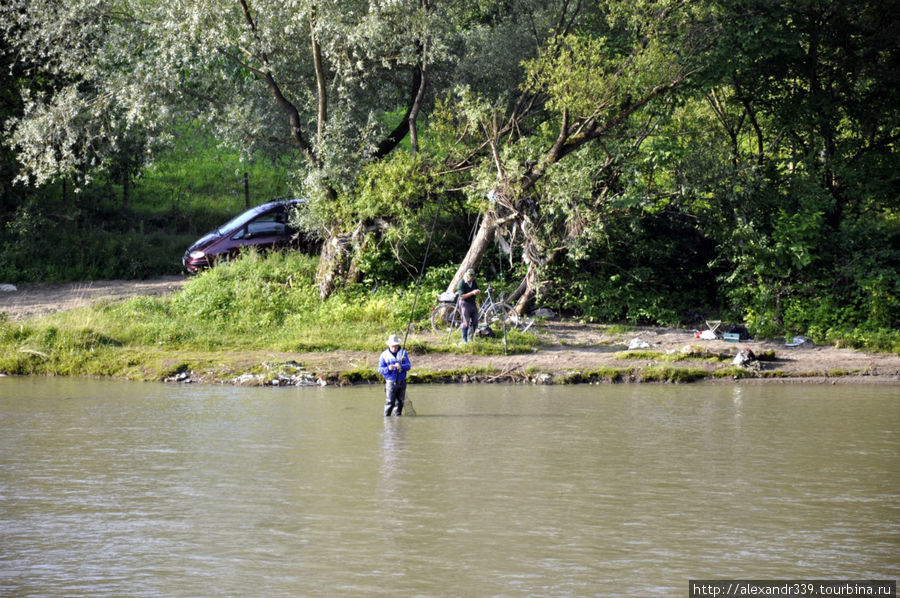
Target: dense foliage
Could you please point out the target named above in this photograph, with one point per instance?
(59, 232)
(645, 161)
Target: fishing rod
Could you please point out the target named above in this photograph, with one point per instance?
(408, 406)
(422, 272)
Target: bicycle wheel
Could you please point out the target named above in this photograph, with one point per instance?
(445, 317)
(503, 316)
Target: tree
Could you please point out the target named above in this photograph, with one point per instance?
(782, 155)
(589, 93)
(10, 105)
(807, 102)
(323, 79)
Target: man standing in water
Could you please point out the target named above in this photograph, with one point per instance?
(467, 289)
(393, 365)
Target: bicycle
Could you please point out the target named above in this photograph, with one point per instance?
(446, 315)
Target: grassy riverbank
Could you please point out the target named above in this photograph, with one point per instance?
(252, 305)
(260, 321)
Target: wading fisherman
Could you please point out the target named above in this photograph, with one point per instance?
(393, 365)
(467, 288)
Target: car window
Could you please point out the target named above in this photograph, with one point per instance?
(267, 225)
(238, 221)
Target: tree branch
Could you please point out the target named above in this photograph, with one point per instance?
(322, 111)
(388, 144)
(414, 111)
(286, 106)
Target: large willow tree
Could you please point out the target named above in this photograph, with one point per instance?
(771, 125)
(338, 83)
(588, 100)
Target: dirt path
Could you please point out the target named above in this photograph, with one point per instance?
(568, 346)
(574, 347)
(41, 299)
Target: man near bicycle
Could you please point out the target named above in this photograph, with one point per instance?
(467, 289)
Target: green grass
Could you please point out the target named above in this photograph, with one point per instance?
(452, 375)
(260, 303)
(359, 375)
(597, 375)
(619, 329)
(196, 169)
(734, 372)
(195, 185)
(516, 342)
(670, 374)
(251, 304)
(884, 341)
(694, 353)
(224, 322)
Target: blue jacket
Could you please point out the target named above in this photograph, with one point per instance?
(387, 358)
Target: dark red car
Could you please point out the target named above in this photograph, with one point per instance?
(265, 227)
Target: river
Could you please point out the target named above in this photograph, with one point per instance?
(146, 489)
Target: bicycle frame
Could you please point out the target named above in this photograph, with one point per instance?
(486, 304)
(446, 316)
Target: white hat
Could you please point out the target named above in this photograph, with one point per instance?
(394, 340)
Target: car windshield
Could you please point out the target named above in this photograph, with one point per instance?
(241, 220)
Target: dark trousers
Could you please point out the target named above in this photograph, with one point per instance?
(469, 314)
(395, 396)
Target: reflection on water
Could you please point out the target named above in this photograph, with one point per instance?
(155, 490)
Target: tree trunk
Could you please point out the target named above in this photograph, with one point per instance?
(126, 190)
(333, 262)
(529, 292)
(339, 258)
(520, 290)
(321, 89)
(414, 114)
(477, 248)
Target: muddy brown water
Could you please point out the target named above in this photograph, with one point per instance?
(113, 488)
